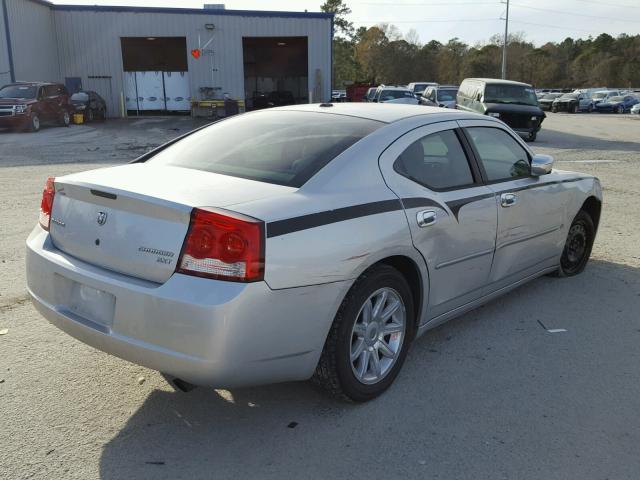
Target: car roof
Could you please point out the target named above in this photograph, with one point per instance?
(497, 81)
(381, 112)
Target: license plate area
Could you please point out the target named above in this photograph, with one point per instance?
(90, 306)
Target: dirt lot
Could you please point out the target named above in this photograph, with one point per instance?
(487, 396)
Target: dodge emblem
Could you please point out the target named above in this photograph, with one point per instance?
(102, 218)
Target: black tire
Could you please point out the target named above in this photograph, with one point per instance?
(334, 371)
(34, 123)
(532, 137)
(577, 248)
(554, 110)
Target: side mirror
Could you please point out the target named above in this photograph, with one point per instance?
(541, 165)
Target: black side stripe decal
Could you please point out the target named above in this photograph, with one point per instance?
(304, 222)
(417, 202)
(545, 184)
(456, 205)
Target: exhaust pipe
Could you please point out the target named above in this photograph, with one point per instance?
(182, 385)
(178, 383)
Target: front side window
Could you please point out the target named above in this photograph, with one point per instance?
(50, 91)
(281, 147)
(501, 155)
(436, 161)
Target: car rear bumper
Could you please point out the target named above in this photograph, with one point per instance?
(207, 332)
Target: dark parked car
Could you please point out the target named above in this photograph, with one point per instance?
(547, 100)
(514, 103)
(573, 103)
(90, 104)
(27, 105)
(281, 98)
(618, 104)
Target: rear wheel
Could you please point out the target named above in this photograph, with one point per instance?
(577, 248)
(369, 338)
(532, 137)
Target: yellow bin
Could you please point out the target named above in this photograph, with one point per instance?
(78, 118)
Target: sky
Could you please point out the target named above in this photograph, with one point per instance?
(472, 21)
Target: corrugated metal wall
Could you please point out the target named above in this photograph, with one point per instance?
(89, 45)
(33, 41)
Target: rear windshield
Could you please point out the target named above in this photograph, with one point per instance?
(281, 147)
(80, 97)
(447, 95)
(18, 91)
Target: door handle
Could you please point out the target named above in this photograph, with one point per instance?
(508, 199)
(426, 218)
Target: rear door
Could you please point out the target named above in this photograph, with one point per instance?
(529, 208)
(452, 217)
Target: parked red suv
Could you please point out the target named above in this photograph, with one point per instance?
(27, 105)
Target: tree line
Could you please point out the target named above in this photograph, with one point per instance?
(381, 54)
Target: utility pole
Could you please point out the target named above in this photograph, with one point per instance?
(504, 47)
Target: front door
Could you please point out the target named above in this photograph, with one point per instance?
(529, 208)
(452, 217)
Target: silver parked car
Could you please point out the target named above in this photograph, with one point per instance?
(303, 241)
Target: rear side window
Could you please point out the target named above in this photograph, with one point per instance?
(502, 156)
(281, 147)
(436, 161)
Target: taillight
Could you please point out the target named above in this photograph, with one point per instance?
(46, 204)
(223, 245)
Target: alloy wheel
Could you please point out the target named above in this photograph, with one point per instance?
(377, 335)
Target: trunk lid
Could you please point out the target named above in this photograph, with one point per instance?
(133, 219)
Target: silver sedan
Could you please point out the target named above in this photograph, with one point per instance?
(304, 241)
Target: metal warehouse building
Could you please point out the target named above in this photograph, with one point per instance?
(158, 59)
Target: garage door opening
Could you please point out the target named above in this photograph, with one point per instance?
(275, 71)
(156, 75)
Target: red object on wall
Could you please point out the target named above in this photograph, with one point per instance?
(195, 53)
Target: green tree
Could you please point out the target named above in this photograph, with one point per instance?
(340, 10)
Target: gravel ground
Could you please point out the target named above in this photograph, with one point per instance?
(490, 395)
